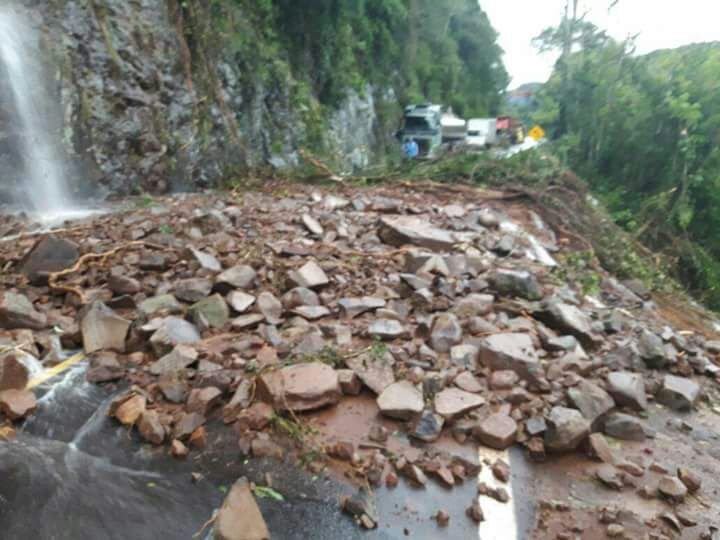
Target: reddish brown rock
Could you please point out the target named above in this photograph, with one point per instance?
(349, 382)
(239, 517)
(130, 411)
(496, 431)
(150, 427)
(300, 387)
(49, 254)
(203, 400)
(178, 449)
(17, 404)
(13, 373)
(257, 417)
(198, 438)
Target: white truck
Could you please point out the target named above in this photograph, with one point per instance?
(481, 133)
(454, 129)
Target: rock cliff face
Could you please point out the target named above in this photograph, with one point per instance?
(150, 105)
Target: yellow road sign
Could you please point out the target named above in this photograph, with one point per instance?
(536, 133)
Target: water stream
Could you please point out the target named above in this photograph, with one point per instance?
(45, 186)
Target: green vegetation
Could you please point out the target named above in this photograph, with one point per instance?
(644, 131)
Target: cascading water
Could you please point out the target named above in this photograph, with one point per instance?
(44, 184)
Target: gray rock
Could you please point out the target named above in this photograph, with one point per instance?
(386, 329)
(566, 429)
(166, 303)
(426, 263)
(401, 400)
(310, 275)
(237, 277)
(625, 427)
(192, 290)
(352, 307)
(428, 427)
(311, 313)
(496, 431)
(512, 283)
(592, 401)
(652, 350)
(504, 245)
(240, 301)
(244, 322)
(16, 311)
(453, 402)
(673, 488)
(312, 225)
(474, 305)
(679, 393)
(103, 329)
(415, 230)
(628, 389)
(445, 333)
(49, 254)
(207, 261)
(300, 296)
(171, 332)
(375, 371)
(239, 517)
(568, 319)
(510, 351)
(122, 285)
(210, 312)
(175, 361)
(465, 356)
(270, 307)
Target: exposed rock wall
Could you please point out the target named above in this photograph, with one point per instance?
(147, 108)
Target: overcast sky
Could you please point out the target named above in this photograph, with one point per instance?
(660, 23)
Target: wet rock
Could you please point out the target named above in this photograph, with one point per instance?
(198, 438)
(210, 312)
(263, 446)
(413, 473)
(237, 277)
(363, 507)
(311, 313)
(16, 311)
(504, 245)
(349, 382)
(130, 411)
(445, 333)
(401, 400)
(123, 285)
(592, 401)
(256, 417)
(453, 402)
(270, 307)
(474, 512)
(672, 488)
(300, 387)
(14, 374)
(181, 357)
(172, 332)
(150, 427)
(566, 429)
(166, 303)
(513, 351)
(679, 393)
(567, 319)
(186, 424)
(178, 449)
(352, 307)
(428, 427)
(496, 431)
(415, 230)
(651, 349)
(104, 367)
(520, 283)
(600, 449)
(203, 400)
(625, 427)
(49, 254)
(310, 276)
(536, 449)
(628, 389)
(239, 517)
(192, 290)
(609, 476)
(386, 329)
(240, 301)
(103, 329)
(691, 480)
(206, 261)
(474, 305)
(17, 404)
(501, 471)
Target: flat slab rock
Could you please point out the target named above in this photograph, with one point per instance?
(513, 351)
(415, 230)
(239, 517)
(679, 393)
(375, 371)
(17, 404)
(401, 400)
(453, 402)
(301, 387)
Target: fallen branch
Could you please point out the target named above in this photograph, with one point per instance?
(322, 167)
(54, 276)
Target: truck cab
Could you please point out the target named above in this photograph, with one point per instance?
(481, 133)
(423, 124)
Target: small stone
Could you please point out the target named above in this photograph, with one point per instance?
(202, 400)
(691, 480)
(166, 303)
(428, 427)
(239, 517)
(256, 417)
(465, 356)
(453, 402)
(17, 404)
(49, 254)
(375, 370)
(503, 379)
(625, 427)
(178, 449)
(311, 313)
(520, 283)
(615, 530)
(567, 428)
(652, 350)
(413, 473)
(300, 296)
(310, 275)
(262, 446)
(300, 387)
(207, 261)
(378, 434)
(171, 332)
(240, 301)
(150, 427)
(198, 438)
(244, 322)
(192, 290)
(600, 448)
(592, 401)
(672, 488)
(349, 382)
(14, 374)
(514, 351)
(445, 333)
(442, 518)
(353, 307)
(237, 277)
(496, 431)
(567, 319)
(387, 329)
(501, 470)
(130, 411)
(16, 311)
(173, 388)
(187, 423)
(679, 393)
(474, 512)
(210, 312)
(468, 382)
(401, 400)
(181, 357)
(400, 230)
(609, 476)
(270, 307)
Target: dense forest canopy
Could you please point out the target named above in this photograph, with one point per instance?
(443, 51)
(645, 131)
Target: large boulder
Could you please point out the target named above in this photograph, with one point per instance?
(415, 230)
(566, 429)
(628, 389)
(679, 393)
(16, 311)
(49, 254)
(591, 400)
(239, 517)
(567, 319)
(513, 351)
(300, 387)
(625, 427)
(103, 329)
(519, 283)
(401, 400)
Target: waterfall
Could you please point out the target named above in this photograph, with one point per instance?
(44, 182)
